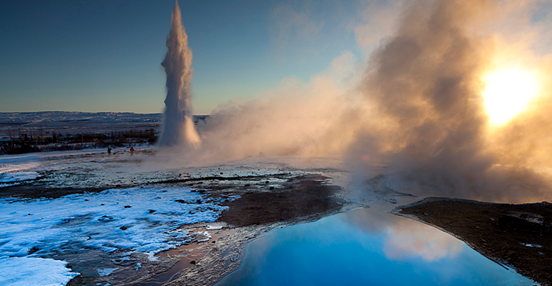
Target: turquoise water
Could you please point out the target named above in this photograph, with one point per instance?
(366, 247)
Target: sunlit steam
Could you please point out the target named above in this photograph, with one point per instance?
(507, 93)
(425, 125)
(178, 126)
(412, 110)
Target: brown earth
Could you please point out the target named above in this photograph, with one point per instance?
(299, 197)
(524, 247)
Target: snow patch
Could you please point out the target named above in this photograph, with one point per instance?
(19, 176)
(13, 163)
(23, 271)
(140, 219)
(531, 245)
(202, 236)
(106, 271)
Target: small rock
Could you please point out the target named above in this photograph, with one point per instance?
(33, 250)
(151, 211)
(193, 262)
(127, 207)
(105, 218)
(123, 227)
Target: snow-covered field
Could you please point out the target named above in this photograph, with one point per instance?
(136, 207)
(73, 122)
(24, 271)
(126, 221)
(77, 122)
(11, 179)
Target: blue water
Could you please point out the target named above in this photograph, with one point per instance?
(366, 247)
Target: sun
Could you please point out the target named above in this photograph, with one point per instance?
(507, 92)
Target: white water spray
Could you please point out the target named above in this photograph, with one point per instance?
(178, 126)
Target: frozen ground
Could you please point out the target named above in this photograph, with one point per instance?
(12, 179)
(125, 221)
(73, 122)
(142, 219)
(29, 270)
(77, 122)
(112, 216)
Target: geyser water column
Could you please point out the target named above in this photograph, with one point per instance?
(178, 126)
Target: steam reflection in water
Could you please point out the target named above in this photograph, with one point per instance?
(366, 247)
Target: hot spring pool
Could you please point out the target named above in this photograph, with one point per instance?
(366, 247)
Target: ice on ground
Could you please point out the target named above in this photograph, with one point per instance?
(140, 219)
(40, 160)
(23, 271)
(202, 236)
(213, 227)
(15, 177)
(531, 245)
(12, 163)
(106, 271)
(12, 179)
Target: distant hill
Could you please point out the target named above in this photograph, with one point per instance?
(78, 122)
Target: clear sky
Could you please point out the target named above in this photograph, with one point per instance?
(105, 55)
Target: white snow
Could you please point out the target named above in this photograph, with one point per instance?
(204, 235)
(12, 179)
(23, 271)
(12, 163)
(140, 219)
(19, 176)
(40, 160)
(213, 227)
(106, 271)
(531, 245)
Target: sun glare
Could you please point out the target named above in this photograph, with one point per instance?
(507, 92)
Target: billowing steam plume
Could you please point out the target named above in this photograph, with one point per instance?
(178, 126)
(417, 109)
(429, 121)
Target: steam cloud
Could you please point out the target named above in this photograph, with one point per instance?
(178, 126)
(424, 83)
(417, 108)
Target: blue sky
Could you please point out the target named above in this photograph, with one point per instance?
(105, 55)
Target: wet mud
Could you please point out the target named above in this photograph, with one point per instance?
(298, 198)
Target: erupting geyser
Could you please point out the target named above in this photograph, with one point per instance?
(178, 126)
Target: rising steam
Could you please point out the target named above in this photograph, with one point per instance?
(429, 123)
(178, 126)
(417, 107)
